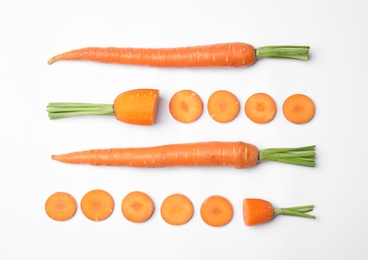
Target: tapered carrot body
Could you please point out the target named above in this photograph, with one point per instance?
(230, 154)
(234, 54)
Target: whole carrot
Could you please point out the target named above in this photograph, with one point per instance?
(137, 106)
(234, 54)
(230, 154)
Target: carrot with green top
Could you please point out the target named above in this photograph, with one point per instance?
(138, 106)
(236, 54)
(258, 211)
(229, 154)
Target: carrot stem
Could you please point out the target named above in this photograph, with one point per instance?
(284, 51)
(304, 156)
(299, 211)
(65, 109)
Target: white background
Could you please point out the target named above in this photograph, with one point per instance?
(335, 78)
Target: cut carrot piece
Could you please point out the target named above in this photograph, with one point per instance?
(177, 209)
(257, 211)
(137, 207)
(60, 206)
(223, 106)
(186, 106)
(216, 211)
(298, 109)
(260, 108)
(138, 106)
(97, 205)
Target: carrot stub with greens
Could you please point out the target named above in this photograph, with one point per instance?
(230, 154)
(234, 54)
(258, 211)
(138, 106)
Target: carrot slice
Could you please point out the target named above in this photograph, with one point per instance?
(137, 207)
(177, 209)
(97, 205)
(223, 106)
(298, 109)
(186, 106)
(260, 108)
(216, 211)
(60, 206)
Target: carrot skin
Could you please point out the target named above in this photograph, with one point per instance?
(216, 55)
(230, 154)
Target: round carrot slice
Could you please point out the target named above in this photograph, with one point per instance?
(137, 207)
(186, 106)
(177, 209)
(223, 106)
(97, 205)
(260, 108)
(60, 206)
(298, 109)
(216, 211)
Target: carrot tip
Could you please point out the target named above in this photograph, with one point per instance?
(51, 61)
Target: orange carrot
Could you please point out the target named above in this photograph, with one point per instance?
(260, 108)
(216, 211)
(231, 154)
(177, 209)
(258, 211)
(298, 109)
(223, 106)
(137, 207)
(97, 205)
(186, 106)
(217, 55)
(138, 106)
(60, 206)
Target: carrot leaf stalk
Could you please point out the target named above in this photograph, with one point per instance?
(304, 156)
(65, 109)
(299, 211)
(284, 51)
